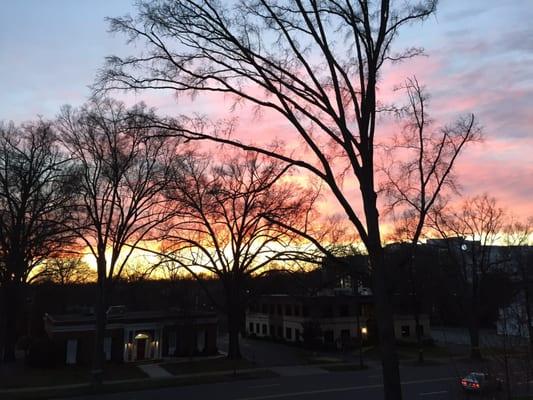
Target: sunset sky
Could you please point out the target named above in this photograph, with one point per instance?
(479, 60)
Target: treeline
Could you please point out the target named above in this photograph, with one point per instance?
(110, 178)
(102, 180)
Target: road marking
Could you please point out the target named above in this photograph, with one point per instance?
(293, 394)
(264, 386)
(344, 389)
(433, 393)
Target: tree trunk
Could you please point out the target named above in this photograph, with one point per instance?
(529, 317)
(97, 372)
(384, 318)
(234, 351)
(475, 352)
(12, 306)
(506, 361)
(383, 307)
(359, 333)
(234, 327)
(2, 320)
(419, 338)
(416, 311)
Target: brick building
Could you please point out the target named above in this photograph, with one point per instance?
(335, 319)
(134, 335)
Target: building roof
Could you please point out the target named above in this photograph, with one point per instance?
(128, 317)
(363, 298)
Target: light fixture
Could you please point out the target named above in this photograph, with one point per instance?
(142, 336)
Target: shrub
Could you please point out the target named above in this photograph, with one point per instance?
(43, 353)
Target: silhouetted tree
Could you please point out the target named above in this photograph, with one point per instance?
(225, 224)
(122, 172)
(64, 271)
(35, 200)
(518, 236)
(418, 169)
(471, 233)
(318, 63)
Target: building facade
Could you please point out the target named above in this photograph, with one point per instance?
(335, 320)
(134, 336)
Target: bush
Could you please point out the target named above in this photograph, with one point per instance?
(426, 342)
(24, 343)
(43, 353)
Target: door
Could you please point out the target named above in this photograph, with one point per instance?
(72, 350)
(141, 349)
(200, 341)
(107, 348)
(172, 343)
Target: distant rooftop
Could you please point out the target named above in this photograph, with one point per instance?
(126, 316)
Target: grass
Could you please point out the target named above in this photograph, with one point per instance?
(499, 352)
(426, 363)
(344, 367)
(429, 352)
(375, 354)
(139, 385)
(23, 376)
(322, 360)
(213, 365)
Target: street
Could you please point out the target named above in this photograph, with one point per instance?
(432, 383)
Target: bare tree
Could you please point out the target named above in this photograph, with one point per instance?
(318, 64)
(517, 236)
(225, 225)
(121, 176)
(418, 169)
(64, 271)
(471, 234)
(35, 193)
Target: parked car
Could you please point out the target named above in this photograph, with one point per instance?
(481, 382)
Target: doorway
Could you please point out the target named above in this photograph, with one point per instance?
(141, 349)
(141, 342)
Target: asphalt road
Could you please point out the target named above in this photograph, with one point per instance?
(300, 382)
(424, 383)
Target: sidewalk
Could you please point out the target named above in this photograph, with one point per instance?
(156, 373)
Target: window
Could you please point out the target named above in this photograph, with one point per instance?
(420, 330)
(272, 309)
(272, 331)
(327, 311)
(264, 331)
(264, 309)
(107, 348)
(172, 343)
(328, 336)
(406, 331)
(251, 327)
(344, 310)
(288, 309)
(72, 351)
(305, 311)
(280, 309)
(359, 309)
(297, 310)
(297, 334)
(288, 333)
(257, 328)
